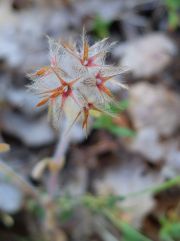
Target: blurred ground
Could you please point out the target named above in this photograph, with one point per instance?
(108, 162)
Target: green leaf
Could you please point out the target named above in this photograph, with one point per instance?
(65, 215)
(106, 122)
(123, 105)
(121, 131)
(173, 20)
(101, 27)
(129, 233)
(173, 4)
(173, 8)
(119, 107)
(36, 209)
(170, 229)
(103, 121)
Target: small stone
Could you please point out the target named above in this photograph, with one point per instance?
(32, 133)
(23, 100)
(146, 143)
(154, 107)
(147, 55)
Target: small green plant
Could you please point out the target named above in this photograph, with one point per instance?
(106, 122)
(170, 229)
(106, 206)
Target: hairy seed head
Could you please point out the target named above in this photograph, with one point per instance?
(74, 83)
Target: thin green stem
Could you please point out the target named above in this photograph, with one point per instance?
(130, 234)
(156, 189)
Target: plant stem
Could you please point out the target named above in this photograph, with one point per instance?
(58, 162)
(113, 199)
(159, 188)
(153, 190)
(129, 232)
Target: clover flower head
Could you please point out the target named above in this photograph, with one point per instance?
(75, 81)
